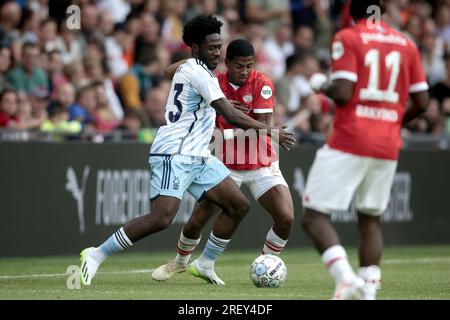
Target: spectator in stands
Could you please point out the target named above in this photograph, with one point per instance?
(172, 23)
(323, 26)
(149, 38)
(114, 49)
(65, 95)
(131, 124)
(55, 70)
(146, 72)
(446, 115)
(28, 27)
(441, 90)
(69, 45)
(40, 99)
(8, 108)
(430, 122)
(75, 74)
(95, 74)
(105, 119)
(84, 108)
(272, 13)
(10, 16)
(6, 62)
(304, 39)
(433, 49)
(133, 24)
(58, 122)
(28, 75)
(280, 47)
(47, 35)
(154, 107)
(293, 89)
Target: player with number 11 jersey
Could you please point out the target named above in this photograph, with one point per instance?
(385, 67)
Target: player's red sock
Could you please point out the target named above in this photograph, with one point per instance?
(185, 247)
(273, 243)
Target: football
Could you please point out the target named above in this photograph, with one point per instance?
(268, 271)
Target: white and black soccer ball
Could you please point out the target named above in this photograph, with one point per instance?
(268, 271)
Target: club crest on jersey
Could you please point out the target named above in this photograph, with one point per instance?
(337, 50)
(248, 98)
(266, 92)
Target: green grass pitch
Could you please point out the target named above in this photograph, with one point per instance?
(408, 273)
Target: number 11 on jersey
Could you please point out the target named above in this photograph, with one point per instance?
(373, 92)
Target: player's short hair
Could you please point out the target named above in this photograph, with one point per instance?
(358, 8)
(239, 48)
(196, 30)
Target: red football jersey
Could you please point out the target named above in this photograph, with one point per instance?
(258, 94)
(385, 67)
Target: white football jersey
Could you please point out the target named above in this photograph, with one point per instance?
(189, 116)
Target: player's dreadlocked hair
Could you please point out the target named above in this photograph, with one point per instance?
(196, 30)
(239, 48)
(358, 8)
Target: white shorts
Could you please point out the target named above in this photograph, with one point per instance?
(335, 176)
(261, 180)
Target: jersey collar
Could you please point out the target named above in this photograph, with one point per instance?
(249, 79)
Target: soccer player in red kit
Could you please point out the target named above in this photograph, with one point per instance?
(374, 69)
(255, 165)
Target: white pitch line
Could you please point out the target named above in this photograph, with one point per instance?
(46, 275)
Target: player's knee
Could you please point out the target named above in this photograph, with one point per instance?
(162, 223)
(161, 218)
(240, 208)
(285, 219)
(244, 206)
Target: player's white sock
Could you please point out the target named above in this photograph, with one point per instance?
(336, 261)
(273, 243)
(213, 248)
(185, 247)
(117, 242)
(372, 276)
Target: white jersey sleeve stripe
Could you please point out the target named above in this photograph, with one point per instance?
(267, 110)
(418, 87)
(345, 75)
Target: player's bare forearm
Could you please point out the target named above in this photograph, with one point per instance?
(339, 90)
(170, 71)
(236, 117)
(239, 119)
(265, 118)
(419, 106)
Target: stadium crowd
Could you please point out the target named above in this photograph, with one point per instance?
(91, 69)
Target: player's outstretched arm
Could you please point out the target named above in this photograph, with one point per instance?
(419, 106)
(170, 71)
(241, 120)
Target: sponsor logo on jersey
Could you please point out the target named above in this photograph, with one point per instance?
(367, 37)
(266, 92)
(380, 114)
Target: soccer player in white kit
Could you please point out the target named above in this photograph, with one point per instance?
(374, 70)
(179, 157)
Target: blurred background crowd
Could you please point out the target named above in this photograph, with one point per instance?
(95, 71)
